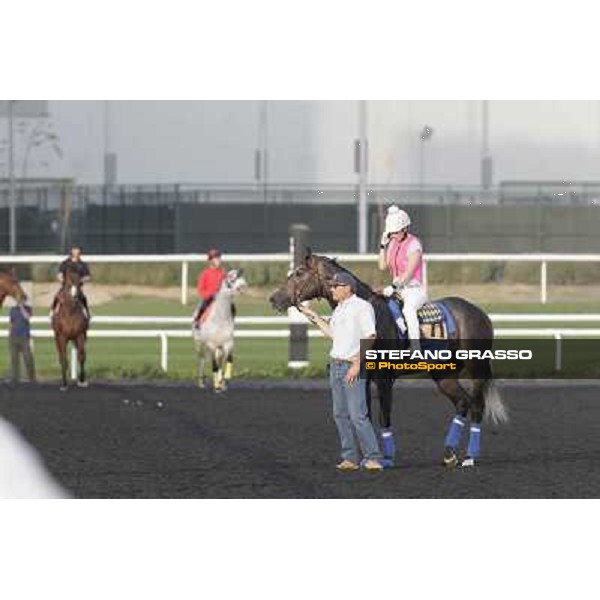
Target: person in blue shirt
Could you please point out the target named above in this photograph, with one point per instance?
(19, 341)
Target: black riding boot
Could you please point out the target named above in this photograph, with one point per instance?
(86, 308)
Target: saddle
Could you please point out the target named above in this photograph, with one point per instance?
(207, 312)
(435, 320)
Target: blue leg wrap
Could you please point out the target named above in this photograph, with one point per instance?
(455, 432)
(474, 441)
(388, 444)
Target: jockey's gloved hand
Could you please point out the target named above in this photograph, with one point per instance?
(389, 291)
(385, 240)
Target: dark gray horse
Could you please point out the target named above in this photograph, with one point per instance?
(473, 331)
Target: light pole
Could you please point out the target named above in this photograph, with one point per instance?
(361, 154)
(486, 159)
(12, 202)
(110, 157)
(425, 135)
(263, 142)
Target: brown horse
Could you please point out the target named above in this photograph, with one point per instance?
(70, 325)
(9, 286)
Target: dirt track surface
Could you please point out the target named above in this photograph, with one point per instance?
(123, 441)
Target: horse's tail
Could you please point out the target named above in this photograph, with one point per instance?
(495, 410)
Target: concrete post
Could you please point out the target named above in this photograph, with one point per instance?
(298, 348)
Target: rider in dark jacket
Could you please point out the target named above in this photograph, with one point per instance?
(74, 262)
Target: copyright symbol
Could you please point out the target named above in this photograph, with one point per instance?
(370, 365)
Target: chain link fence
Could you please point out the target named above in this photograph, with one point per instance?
(514, 217)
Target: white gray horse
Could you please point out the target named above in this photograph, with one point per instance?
(213, 340)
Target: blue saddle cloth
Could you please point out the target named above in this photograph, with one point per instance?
(433, 313)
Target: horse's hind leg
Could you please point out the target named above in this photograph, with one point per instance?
(81, 356)
(217, 369)
(451, 388)
(481, 374)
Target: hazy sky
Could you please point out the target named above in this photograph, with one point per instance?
(310, 142)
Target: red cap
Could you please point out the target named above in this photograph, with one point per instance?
(213, 253)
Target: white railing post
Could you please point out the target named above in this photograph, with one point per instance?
(558, 354)
(164, 351)
(544, 281)
(184, 281)
(74, 369)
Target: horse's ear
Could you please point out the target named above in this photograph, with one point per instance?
(308, 256)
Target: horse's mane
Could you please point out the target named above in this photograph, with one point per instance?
(366, 288)
(383, 318)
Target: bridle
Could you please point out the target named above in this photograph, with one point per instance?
(298, 292)
(67, 288)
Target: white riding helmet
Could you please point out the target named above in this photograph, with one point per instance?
(396, 220)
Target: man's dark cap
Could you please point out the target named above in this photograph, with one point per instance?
(213, 253)
(343, 279)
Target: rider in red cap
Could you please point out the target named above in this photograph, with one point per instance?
(209, 283)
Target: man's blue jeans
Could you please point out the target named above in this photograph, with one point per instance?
(350, 414)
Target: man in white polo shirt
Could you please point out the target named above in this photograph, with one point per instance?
(352, 320)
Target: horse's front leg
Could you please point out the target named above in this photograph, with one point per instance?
(228, 372)
(81, 356)
(217, 369)
(388, 443)
(61, 348)
(452, 389)
(200, 350)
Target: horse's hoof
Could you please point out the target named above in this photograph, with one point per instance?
(450, 458)
(83, 384)
(468, 462)
(201, 384)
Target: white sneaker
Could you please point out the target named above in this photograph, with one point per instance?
(372, 465)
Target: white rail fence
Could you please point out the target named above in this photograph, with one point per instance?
(186, 259)
(285, 320)
(164, 334)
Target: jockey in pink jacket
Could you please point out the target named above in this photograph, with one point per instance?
(402, 253)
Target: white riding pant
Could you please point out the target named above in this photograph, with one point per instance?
(414, 297)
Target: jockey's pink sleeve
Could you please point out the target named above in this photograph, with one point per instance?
(397, 258)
